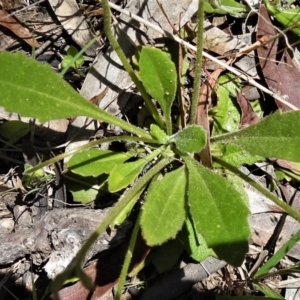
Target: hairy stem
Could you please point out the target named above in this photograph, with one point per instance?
(198, 68)
(116, 46)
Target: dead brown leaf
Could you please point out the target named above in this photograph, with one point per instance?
(249, 117)
(281, 76)
(18, 29)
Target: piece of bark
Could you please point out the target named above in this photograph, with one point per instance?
(63, 230)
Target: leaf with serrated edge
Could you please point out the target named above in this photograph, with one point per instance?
(95, 162)
(219, 213)
(276, 136)
(165, 208)
(191, 139)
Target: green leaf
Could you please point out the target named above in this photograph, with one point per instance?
(191, 139)
(275, 136)
(194, 242)
(95, 162)
(219, 213)
(226, 115)
(81, 187)
(235, 155)
(12, 131)
(44, 95)
(165, 208)
(287, 17)
(166, 256)
(158, 74)
(231, 7)
(268, 291)
(159, 134)
(72, 52)
(123, 175)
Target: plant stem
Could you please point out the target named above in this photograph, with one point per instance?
(288, 209)
(116, 46)
(128, 258)
(198, 68)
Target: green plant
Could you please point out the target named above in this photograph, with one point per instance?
(67, 60)
(209, 205)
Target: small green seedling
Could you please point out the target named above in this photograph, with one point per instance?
(71, 53)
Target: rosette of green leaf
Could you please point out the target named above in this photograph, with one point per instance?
(190, 140)
(158, 74)
(226, 115)
(165, 208)
(275, 136)
(95, 162)
(123, 175)
(46, 96)
(219, 213)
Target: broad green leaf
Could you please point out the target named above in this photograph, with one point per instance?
(191, 139)
(194, 243)
(287, 17)
(219, 213)
(123, 175)
(276, 136)
(165, 208)
(235, 155)
(12, 131)
(158, 133)
(158, 74)
(44, 95)
(95, 162)
(166, 256)
(226, 115)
